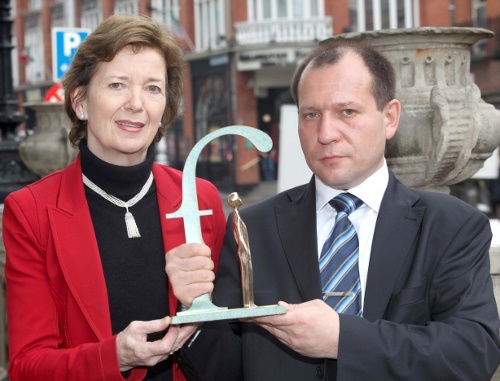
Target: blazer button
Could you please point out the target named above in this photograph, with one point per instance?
(319, 371)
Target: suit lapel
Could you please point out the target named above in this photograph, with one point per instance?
(297, 229)
(390, 247)
(77, 250)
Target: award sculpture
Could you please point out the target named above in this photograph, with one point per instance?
(202, 308)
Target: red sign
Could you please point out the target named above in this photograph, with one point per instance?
(54, 94)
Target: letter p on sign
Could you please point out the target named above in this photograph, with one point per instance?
(65, 42)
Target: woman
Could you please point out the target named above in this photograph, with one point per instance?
(88, 296)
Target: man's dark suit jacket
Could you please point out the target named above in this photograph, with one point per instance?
(429, 308)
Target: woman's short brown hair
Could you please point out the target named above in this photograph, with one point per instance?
(102, 45)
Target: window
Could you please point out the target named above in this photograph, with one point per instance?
(479, 20)
(479, 13)
(383, 14)
(127, 6)
(259, 10)
(33, 42)
(91, 13)
(58, 19)
(210, 28)
(298, 9)
(165, 11)
(315, 9)
(282, 9)
(34, 5)
(267, 13)
(284, 21)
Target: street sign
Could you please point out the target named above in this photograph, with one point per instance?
(65, 42)
(55, 93)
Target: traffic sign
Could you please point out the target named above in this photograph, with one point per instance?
(65, 42)
(55, 93)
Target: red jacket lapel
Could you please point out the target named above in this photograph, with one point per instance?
(77, 250)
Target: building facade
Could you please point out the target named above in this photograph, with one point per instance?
(241, 55)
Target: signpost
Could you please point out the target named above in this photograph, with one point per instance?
(65, 42)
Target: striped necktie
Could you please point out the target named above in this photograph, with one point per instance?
(338, 260)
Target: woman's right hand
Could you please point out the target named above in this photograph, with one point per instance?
(189, 268)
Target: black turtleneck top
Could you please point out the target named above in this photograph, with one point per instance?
(134, 268)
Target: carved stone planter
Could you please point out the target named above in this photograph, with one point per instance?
(48, 148)
(446, 131)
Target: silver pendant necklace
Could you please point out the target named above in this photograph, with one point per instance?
(132, 229)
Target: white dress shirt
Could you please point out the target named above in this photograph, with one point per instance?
(363, 219)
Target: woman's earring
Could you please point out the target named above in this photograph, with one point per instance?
(82, 116)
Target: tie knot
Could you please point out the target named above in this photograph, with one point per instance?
(345, 202)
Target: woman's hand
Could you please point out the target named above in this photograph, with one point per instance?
(134, 350)
(190, 271)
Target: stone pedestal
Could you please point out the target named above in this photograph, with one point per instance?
(446, 131)
(48, 148)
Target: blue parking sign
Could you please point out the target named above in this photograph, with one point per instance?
(65, 42)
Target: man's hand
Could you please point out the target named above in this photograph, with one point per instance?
(310, 328)
(190, 271)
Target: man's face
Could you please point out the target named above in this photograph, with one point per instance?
(341, 132)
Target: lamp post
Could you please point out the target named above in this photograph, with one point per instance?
(13, 173)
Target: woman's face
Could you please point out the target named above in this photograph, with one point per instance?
(124, 106)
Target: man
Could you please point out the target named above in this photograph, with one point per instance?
(427, 309)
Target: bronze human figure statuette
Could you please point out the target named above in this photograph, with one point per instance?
(241, 237)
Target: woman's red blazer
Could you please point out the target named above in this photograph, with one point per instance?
(57, 306)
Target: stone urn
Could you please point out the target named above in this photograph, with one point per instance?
(48, 148)
(446, 130)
